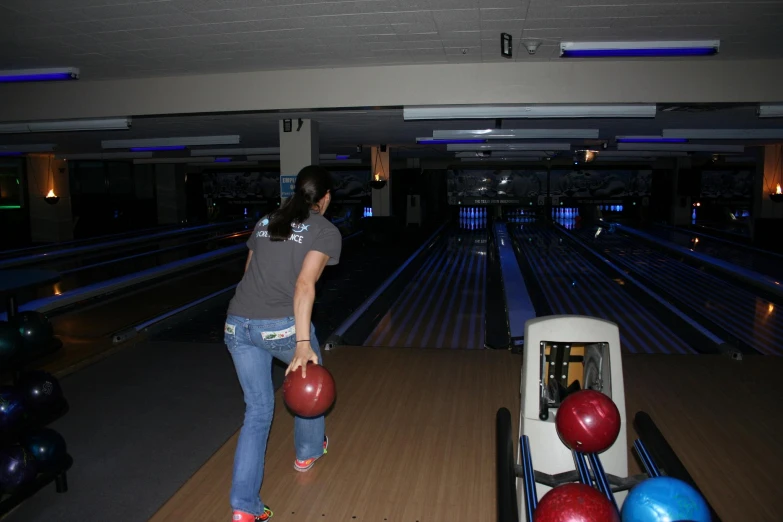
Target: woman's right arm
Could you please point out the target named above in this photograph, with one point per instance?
(304, 297)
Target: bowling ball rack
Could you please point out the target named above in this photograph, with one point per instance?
(59, 476)
(9, 500)
(651, 448)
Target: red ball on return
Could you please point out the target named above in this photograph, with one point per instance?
(575, 503)
(588, 421)
(309, 396)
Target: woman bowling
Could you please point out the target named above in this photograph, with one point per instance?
(270, 316)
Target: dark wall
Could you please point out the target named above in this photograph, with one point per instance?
(662, 194)
(111, 197)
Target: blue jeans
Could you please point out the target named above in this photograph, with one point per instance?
(252, 355)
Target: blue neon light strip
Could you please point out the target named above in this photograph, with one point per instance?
(342, 156)
(4, 153)
(664, 51)
(46, 77)
(651, 140)
(449, 142)
(222, 160)
(153, 149)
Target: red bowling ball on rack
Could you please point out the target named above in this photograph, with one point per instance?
(588, 421)
(575, 502)
(312, 395)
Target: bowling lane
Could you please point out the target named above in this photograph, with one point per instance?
(571, 284)
(53, 247)
(74, 257)
(766, 263)
(740, 316)
(443, 305)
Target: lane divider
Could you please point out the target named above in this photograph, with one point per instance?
(336, 336)
(750, 277)
(47, 304)
(663, 302)
(46, 256)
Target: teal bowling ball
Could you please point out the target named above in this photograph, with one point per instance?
(36, 330)
(47, 448)
(11, 342)
(665, 499)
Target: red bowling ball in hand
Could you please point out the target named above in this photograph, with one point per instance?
(588, 421)
(309, 396)
(575, 503)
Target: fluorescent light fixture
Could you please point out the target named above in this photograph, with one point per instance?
(66, 126)
(433, 141)
(105, 156)
(235, 152)
(155, 149)
(636, 159)
(151, 160)
(187, 141)
(724, 134)
(233, 163)
(771, 111)
(509, 146)
(516, 134)
(688, 147)
(641, 154)
(38, 147)
(649, 139)
(39, 75)
(493, 112)
(638, 49)
(503, 159)
(505, 154)
(341, 162)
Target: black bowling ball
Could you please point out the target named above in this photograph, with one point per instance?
(42, 395)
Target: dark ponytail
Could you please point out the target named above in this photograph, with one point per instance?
(312, 184)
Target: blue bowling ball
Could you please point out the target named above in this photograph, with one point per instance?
(664, 499)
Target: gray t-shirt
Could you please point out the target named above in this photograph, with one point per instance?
(266, 291)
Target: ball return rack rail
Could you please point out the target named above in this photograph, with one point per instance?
(651, 448)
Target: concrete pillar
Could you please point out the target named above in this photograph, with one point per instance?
(49, 222)
(381, 170)
(681, 209)
(299, 148)
(170, 192)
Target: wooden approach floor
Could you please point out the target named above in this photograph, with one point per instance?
(412, 438)
(724, 419)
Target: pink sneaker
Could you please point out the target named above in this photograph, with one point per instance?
(241, 516)
(304, 465)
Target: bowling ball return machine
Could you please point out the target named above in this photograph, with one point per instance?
(564, 354)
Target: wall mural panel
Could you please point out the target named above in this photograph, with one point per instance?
(511, 186)
(264, 186)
